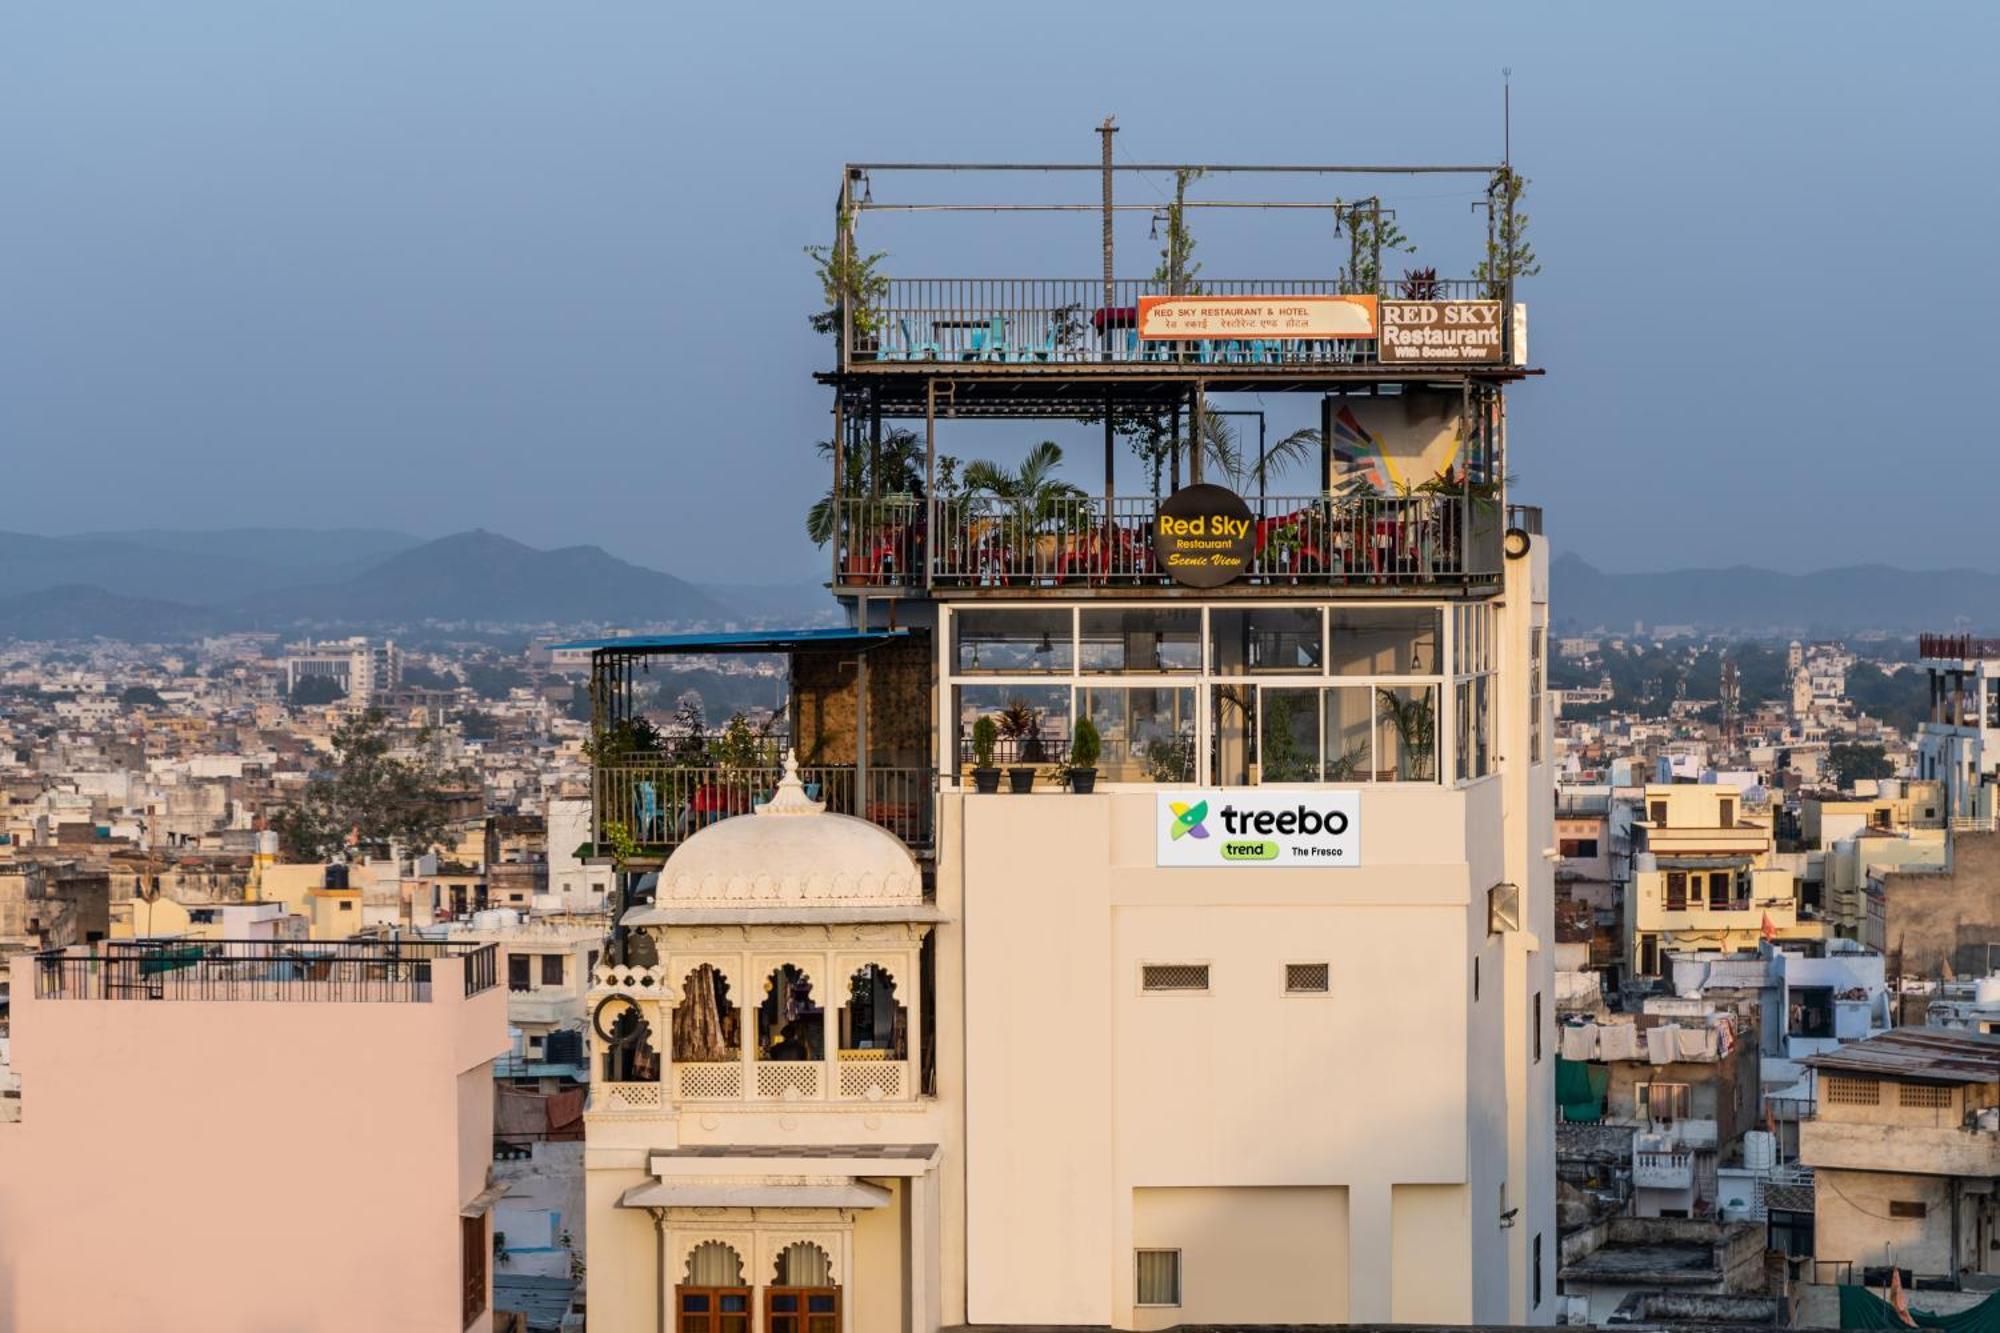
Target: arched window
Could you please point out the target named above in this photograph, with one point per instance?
(714, 1298)
(804, 1298)
(872, 1020)
(714, 1264)
(629, 1056)
(706, 1025)
(790, 1023)
(803, 1264)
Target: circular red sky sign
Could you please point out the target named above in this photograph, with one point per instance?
(1204, 536)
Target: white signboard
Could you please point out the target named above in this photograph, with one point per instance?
(1246, 826)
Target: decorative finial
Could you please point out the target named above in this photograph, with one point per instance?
(791, 798)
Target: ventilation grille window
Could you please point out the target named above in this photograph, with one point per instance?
(1307, 978)
(1174, 977)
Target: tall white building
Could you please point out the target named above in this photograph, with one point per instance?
(361, 667)
(1248, 1022)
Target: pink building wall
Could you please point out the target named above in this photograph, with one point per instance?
(244, 1165)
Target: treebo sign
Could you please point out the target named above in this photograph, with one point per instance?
(1248, 826)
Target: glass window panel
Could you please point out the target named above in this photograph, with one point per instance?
(1482, 726)
(1265, 639)
(1159, 1277)
(1148, 734)
(1390, 641)
(1349, 730)
(1288, 735)
(1014, 642)
(1032, 720)
(1232, 742)
(819, 1304)
(1406, 733)
(694, 1301)
(1141, 640)
(787, 1304)
(734, 1304)
(1462, 719)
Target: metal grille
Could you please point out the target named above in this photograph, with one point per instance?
(1307, 978)
(1853, 1091)
(1922, 1095)
(1174, 977)
(628, 1096)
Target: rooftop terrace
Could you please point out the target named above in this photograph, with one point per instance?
(395, 970)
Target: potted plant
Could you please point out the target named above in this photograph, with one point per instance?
(985, 735)
(1021, 722)
(1084, 747)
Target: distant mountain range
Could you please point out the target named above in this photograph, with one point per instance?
(159, 586)
(1747, 600)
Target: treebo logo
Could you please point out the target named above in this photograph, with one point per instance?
(1188, 820)
(1305, 821)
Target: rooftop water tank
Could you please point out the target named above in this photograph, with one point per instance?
(1760, 1150)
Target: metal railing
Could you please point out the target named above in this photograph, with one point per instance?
(1956, 647)
(1527, 518)
(273, 970)
(662, 804)
(1067, 321)
(988, 541)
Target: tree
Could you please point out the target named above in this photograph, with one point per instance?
(369, 802)
(1508, 253)
(1859, 763)
(477, 725)
(1370, 231)
(1033, 483)
(492, 680)
(312, 690)
(1178, 269)
(896, 469)
(141, 696)
(420, 677)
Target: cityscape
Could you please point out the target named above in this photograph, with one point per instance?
(1172, 798)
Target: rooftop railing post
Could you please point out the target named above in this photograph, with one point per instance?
(1105, 131)
(931, 510)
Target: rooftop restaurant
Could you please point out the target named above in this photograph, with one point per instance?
(1283, 573)
(1404, 468)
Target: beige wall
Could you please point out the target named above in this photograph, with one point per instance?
(1083, 1091)
(1426, 1218)
(1852, 1220)
(1271, 1254)
(243, 1165)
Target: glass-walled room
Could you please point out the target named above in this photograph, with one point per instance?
(1240, 694)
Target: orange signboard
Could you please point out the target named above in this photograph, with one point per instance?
(1183, 317)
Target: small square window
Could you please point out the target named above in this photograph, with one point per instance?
(1158, 1275)
(1307, 978)
(1174, 977)
(1909, 1208)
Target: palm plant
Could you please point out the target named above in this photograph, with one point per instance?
(900, 471)
(1222, 452)
(1033, 484)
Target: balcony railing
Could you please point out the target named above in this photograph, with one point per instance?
(1066, 322)
(1663, 1170)
(989, 542)
(1956, 647)
(662, 804)
(338, 971)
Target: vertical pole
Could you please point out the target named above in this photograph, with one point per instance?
(861, 723)
(875, 443)
(932, 510)
(1260, 465)
(839, 481)
(1197, 424)
(843, 252)
(1174, 453)
(1326, 444)
(1105, 131)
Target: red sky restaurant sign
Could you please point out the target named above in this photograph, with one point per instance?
(1197, 317)
(1440, 332)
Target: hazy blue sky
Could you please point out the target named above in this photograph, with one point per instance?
(536, 267)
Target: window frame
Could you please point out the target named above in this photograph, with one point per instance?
(1180, 1278)
(1465, 632)
(561, 970)
(1319, 992)
(1207, 967)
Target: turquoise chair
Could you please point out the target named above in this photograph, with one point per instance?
(912, 349)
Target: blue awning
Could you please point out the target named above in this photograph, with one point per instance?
(747, 641)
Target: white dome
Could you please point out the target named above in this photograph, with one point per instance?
(791, 852)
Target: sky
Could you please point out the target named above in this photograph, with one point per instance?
(537, 268)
